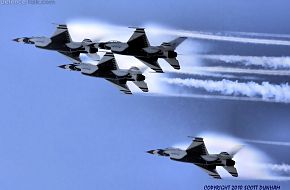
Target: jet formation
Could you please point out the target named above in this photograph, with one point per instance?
(137, 46)
(197, 154)
(107, 68)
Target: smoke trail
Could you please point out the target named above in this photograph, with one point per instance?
(200, 73)
(268, 142)
(199, 96)
(188, 71)
(260, 34)
(157, 88)
(267, 62)
(284, 168)
(243, 71)
(212, 36)
(279, 93)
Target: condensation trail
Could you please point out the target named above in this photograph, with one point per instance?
(278, 167)
(267, 91)
(210, 74)
(267, 62)
(242, 71)
(268, 142)
(212, 36)
(260, 34)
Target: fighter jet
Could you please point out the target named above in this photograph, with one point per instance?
(139, 47)
(61, 42)
(197, 154)
(108, 69)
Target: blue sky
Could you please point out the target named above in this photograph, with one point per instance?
(60, 130)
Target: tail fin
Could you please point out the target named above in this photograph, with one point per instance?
(61, 35)
(172, 45)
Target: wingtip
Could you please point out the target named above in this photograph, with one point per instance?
(135, 27)
(59, 25)
(195, 138)
(128, 93)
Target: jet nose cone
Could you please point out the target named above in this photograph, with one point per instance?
(62, 66)
(150, 151)
(16, 40)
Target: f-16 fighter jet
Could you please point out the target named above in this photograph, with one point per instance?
(61, 42)
(139, 47)
(197, 154)
(109, 70)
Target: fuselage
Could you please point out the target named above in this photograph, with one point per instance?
(114, 74)
(95, 71)
(148, 52)
(48, 44)
(182, 156)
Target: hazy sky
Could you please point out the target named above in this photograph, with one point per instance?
(60, 130)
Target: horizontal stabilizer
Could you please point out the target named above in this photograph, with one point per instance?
(173, 62)
(121, 85)
(210, 170)
(232, 170)
(142, 85)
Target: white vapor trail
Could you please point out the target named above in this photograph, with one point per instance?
(267, 91)
(199, 72)
(243, 71)
(212, 36)
(267, 62)
(268, 142)
(260, 34)
(158, 89)
(199, 96)
(285, 168)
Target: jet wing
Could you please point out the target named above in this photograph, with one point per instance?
(210, 170)
(152, 63)
(61, 35)
(121, 84)
(232, 170)
(142, 85)
(75, 56)
(139, 39)
(197, 147)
